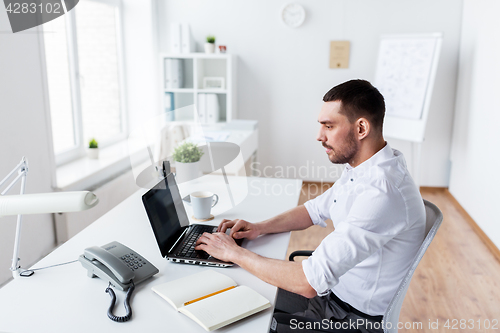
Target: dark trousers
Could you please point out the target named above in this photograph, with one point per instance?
(295, 313)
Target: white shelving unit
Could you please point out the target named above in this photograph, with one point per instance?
(194, 67)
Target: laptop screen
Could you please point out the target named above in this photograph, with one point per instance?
(166, 212)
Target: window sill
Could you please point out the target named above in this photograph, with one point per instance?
(88, 174)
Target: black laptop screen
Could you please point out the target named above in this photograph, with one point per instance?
(166, 212)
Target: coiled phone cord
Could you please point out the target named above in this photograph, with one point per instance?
(126, 303)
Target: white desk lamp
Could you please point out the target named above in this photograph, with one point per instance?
(41, 203)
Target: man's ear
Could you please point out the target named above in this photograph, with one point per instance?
(363, 128)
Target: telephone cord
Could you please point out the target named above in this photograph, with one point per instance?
(126, 303)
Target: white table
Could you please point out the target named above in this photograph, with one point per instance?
(64, 299)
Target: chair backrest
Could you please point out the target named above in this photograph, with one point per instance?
(433, 220)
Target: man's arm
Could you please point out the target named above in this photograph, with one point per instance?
(295, 219)
(286, 275)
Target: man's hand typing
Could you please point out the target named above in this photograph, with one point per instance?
(218, 245)
(240, 229)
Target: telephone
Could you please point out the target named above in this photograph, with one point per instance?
(116, 263)
(122, 267)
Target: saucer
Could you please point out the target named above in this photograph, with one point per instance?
(204, 220)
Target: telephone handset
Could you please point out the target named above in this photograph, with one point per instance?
(121, 272)
(122, 267)
(116, 263)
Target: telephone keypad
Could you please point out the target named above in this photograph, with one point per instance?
(133, 261)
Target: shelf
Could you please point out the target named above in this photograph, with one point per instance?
(180, 90)
(183, 84)
(212, 91)
(200, 91)
(197, 55)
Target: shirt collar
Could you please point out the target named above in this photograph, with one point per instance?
(382, 155)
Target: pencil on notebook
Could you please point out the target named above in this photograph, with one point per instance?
(206, 296)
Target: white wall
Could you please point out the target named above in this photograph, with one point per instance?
(475, 177)
(283, 72)
(24, 131)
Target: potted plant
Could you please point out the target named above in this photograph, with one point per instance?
(210, 44)
(93, 150)
(187, 159)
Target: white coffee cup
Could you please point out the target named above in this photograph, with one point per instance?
(202, 202)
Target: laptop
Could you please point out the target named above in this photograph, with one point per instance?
(176, 238)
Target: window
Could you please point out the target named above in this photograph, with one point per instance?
(84, 68)
(56, 57)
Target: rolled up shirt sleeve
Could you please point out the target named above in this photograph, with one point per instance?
(318, 208)
(376, 216)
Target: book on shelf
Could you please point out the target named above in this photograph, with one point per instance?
(173, 73)
(186, 41)
(211, 299)
(175, 38)
(202, 112)
(212, 108)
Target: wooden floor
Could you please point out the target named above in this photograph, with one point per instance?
(456, 281)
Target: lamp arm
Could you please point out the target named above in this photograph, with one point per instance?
(15, 268)
(22, 169)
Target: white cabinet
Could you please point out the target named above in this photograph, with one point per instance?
(187, 76)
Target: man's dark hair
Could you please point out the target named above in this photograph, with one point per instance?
(359, 99)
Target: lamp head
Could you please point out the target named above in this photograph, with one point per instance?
(41, 203)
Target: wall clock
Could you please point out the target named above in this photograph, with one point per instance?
(293, 15)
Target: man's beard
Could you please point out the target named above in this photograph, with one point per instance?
(346, 152)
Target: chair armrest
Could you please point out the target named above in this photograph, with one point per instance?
(300, 253)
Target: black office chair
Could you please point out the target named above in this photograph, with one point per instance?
(434, 217)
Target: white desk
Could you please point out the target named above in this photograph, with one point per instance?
(64, 299)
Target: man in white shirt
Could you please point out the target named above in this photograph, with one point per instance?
(376, 209)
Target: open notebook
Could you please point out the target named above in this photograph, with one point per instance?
(211, 299)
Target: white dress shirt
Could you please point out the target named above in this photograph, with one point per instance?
(379, 220)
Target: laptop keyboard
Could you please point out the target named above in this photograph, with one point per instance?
(186, 248)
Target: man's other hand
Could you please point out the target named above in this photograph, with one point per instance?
(240, 229)
(218, 245)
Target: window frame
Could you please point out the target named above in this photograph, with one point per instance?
(79, 150)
